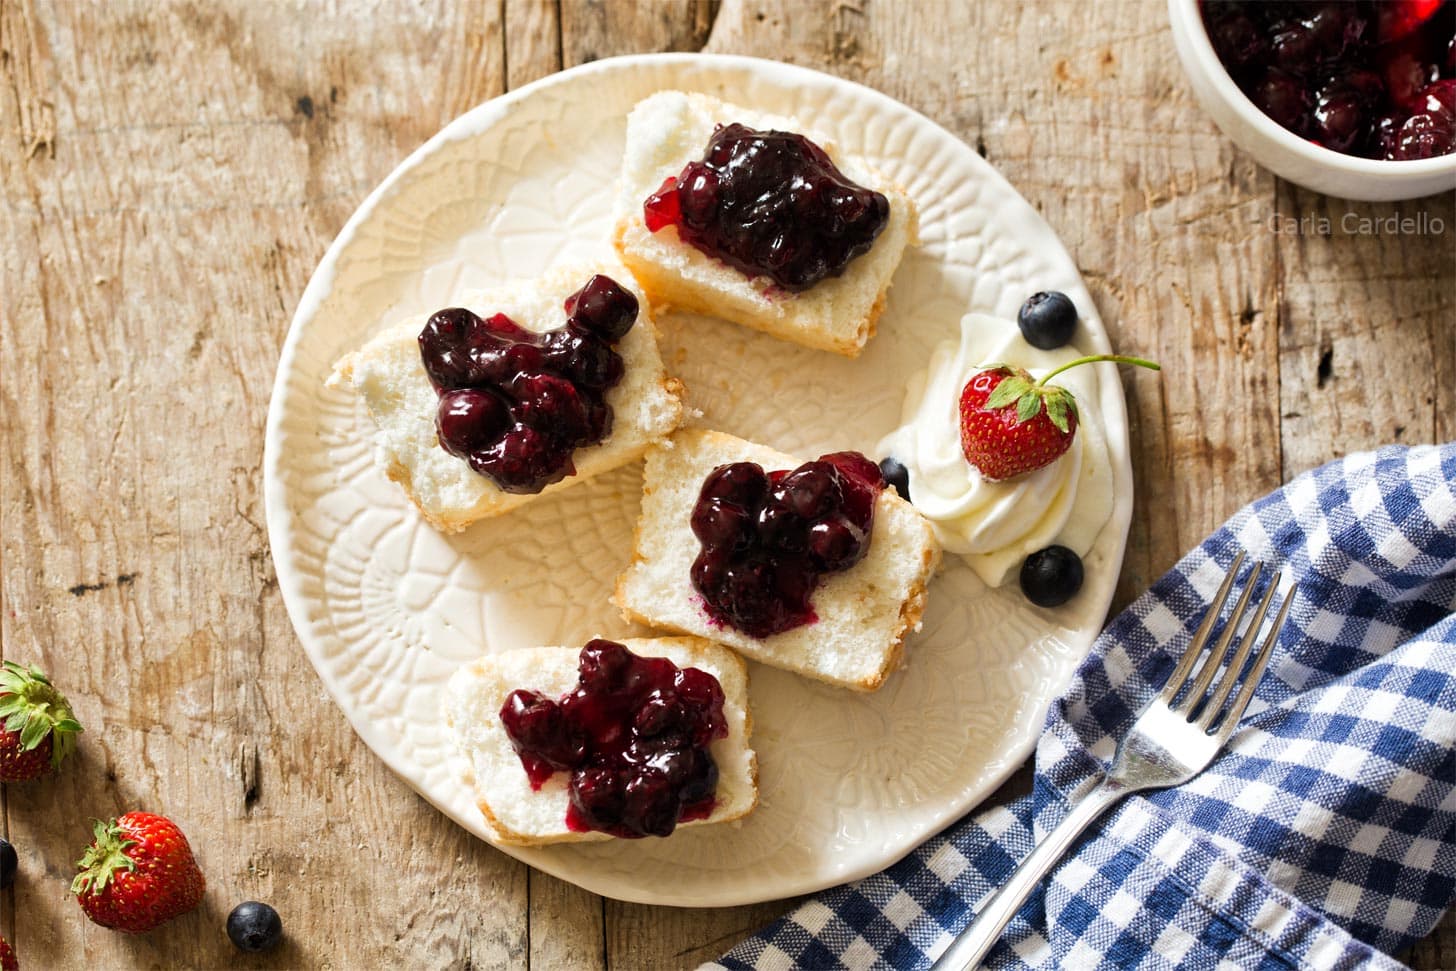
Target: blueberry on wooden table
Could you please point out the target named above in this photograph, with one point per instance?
(8, 863)
(254, 927)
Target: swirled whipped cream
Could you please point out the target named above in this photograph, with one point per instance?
(994, 526)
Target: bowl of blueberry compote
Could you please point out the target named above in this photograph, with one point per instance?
(1352, 98)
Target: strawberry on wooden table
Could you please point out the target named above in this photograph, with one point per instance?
(39, 728)
(7, 957)
(1012, 424)
(138, 873)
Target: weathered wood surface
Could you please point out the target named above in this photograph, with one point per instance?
(172, 172)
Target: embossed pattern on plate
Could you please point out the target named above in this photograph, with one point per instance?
(386, 608)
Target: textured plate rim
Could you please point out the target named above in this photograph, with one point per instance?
(280, 518)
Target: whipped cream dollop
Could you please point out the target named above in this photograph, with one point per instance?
(994, 526)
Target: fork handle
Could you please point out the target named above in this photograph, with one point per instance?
(968, 950)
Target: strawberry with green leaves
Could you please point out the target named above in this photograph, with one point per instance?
(137, 874)
(39, 728)
(1012, 424)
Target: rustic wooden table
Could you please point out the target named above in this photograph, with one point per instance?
(172, 171)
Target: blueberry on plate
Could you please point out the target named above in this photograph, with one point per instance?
(8, 862)
(254, 927)
(1052, 576)
(896, 475)
(1047, 319)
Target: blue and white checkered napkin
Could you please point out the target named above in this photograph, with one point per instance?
(1325, 837)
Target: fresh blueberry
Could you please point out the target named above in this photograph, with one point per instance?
(8, 863)
(1047, 319)
(1052, 576)
(896, 475)
(254, 927)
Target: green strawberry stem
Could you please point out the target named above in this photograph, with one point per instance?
(31, 705)
(1031, 397)
(103, 858)
(1114, 358)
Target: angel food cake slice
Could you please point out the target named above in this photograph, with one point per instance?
(519, 391)
(626, 739)
(810, 566)
(748, 217)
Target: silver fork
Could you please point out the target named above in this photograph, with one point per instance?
(1168, 745)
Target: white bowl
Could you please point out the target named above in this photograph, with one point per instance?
(1284, 152)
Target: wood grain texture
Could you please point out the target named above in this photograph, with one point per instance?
(173, 171)
(1366, 334)
(533, 40)
(594, 29)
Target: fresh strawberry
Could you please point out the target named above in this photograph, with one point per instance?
(39, 729)
(7, 957)
(1012, 424)
(138, 873)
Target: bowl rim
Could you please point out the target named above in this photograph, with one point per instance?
(1190, 12)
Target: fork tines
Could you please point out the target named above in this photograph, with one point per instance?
(1196, 703)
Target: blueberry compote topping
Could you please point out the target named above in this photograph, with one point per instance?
(634, 734)
(515, 404)
(768, 537)
(1367, 78)
(770, 203)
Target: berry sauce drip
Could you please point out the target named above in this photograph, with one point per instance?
(770, 203)
(1373, 79)
(516, 404)
(769, 537)
(634, 734)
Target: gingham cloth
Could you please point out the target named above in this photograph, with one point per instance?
(1323, 837)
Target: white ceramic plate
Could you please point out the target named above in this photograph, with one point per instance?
(386, 608)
